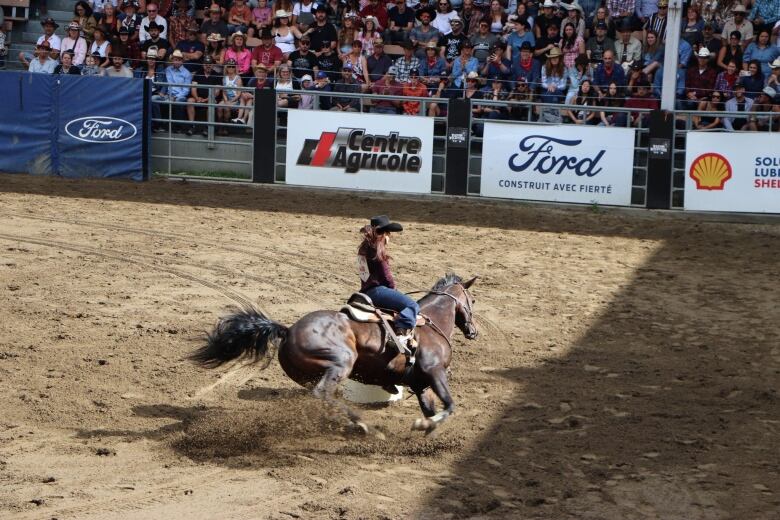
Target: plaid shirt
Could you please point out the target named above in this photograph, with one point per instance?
(616, 7)
(177, 28)
(769, 10)
(403, 68)
(701, 83)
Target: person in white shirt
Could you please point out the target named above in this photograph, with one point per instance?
(76, 43)
(53, 41)
(151, 16)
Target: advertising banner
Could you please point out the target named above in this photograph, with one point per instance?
(737, 172)
(566, 163)
(359, 151)
(60, 125)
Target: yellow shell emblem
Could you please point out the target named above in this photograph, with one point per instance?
(710, 171)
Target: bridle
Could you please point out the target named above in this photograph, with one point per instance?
(458, 305)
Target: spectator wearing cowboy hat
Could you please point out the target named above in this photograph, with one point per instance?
(553, 82)
(764, 102)
(464, 64)
(400, 21)
(267, 53)
(42, 62)
(75, 43)
(130, 19)
(425, 32)
(53, 43)
(526, 68)
(192, 49)
(699, 80)
(628, 49)
(216, 50)
(155, 40)
(450, 44)
(180, 79)
(546, 18)
(127, 48)
(153, 17)
(214, 24)
(238, 52)
(377, 9)
(322, 30)
(179, 24)
(738, 22)
(406, 63)
(118, 69)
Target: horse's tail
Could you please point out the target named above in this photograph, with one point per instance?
(245, 332)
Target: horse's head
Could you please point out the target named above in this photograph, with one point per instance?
(464, 314)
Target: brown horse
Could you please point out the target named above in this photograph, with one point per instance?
(326, 347)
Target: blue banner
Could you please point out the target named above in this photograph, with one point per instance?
(73, 126)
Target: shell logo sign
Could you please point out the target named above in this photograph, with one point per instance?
(710, 171)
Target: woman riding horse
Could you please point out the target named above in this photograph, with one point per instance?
(325, 347)
(376, 279)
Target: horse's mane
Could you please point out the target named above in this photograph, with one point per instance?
(449, 279)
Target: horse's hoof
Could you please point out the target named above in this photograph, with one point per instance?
(361, 427)
(421, 424)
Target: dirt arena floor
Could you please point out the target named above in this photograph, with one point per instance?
(628, 364)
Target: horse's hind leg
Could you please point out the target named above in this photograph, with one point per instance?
(326, 389)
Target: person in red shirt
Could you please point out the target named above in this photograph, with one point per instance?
(377, 9)
(267, 53)
(642, 98)
(387, 86)
(239, 17)
(699, 80)
(414, 88)
(376, 279)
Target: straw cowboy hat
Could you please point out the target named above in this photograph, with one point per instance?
(215, 37)
(237, 34)
(555, 52)
(177, 54)
(281, 13)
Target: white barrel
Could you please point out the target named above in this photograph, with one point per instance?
(360, 393)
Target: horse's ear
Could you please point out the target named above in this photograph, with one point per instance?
(470, 282)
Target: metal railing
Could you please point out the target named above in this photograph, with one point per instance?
(531, 112)
(684, 123)
(182, 157)
(365, 102)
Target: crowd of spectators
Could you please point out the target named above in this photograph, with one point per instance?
(589, 55)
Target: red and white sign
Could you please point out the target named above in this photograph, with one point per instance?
(737, 172)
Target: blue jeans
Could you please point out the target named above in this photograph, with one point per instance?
(388, 298)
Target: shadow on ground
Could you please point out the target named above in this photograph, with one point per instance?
(667, 408)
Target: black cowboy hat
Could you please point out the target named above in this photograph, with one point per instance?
(153, 25)
(430, 10)
(383, 225)
(49, 21)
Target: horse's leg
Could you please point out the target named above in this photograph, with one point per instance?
(326, 389)
(441, 388)
(427, 401)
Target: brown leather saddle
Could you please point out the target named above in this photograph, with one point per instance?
(360, 308)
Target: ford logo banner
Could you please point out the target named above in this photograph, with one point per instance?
(99, 129)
